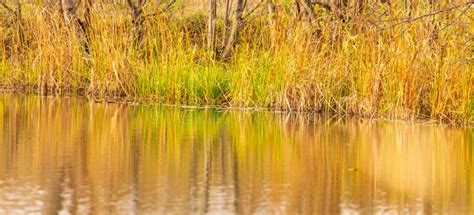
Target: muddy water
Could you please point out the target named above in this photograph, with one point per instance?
(73, 155)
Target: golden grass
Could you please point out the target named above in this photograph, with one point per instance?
(421, 69)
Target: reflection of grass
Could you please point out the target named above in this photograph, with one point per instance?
(258, 161)
(347, 68)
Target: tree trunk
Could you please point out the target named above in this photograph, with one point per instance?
(228, 8)
(234, 33)
(85, 25)
(272, 13)
(69, 10)
(138, 22)
(19, 27)
(211, 28)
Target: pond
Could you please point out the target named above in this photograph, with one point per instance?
(76, 156)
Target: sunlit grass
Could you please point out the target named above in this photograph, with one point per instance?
(417, 70)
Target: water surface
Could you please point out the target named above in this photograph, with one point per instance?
(73, 155)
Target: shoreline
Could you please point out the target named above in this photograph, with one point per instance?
(143, 101)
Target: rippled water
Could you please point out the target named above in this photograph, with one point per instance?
(72, 155)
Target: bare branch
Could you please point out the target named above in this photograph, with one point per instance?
(163, 10)
(3, 3)
(168, 6)
(251, 11)
(409, 20)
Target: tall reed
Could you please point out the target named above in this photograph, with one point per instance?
(366, 65)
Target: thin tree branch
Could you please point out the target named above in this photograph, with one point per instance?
(251, 11)
(3, 3)
(163, 10)
(168, 6)
(409, 20)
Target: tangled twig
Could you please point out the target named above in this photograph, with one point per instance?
(409, 20)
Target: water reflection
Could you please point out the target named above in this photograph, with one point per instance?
(72, 155)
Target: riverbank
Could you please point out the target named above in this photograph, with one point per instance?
(370, 66)
(308, 115)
